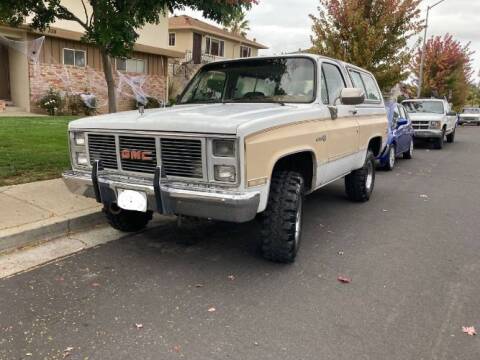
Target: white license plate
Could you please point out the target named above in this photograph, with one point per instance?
(132, 200)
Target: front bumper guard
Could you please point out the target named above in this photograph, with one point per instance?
(166, 198)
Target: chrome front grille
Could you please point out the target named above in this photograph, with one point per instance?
(138, 154)
(182, 157)
(421, 125)
(103, 148)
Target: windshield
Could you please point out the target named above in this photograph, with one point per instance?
(429, 107)
(257, 80)
(471, 111)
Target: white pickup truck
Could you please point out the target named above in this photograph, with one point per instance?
(249, 136)
(432, 119)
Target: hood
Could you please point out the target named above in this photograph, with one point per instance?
(466, 115)
(426, 116)
(204, 118)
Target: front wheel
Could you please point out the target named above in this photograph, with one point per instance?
(409, 153)
(126, 220)
(451, 137)
(439, 141)
(282, 220)
(359, 184)
(390, 164)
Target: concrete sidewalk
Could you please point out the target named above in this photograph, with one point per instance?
(43, 210)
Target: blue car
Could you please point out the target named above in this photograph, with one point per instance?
(400, 136)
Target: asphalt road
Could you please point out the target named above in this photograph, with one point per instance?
(412, 253)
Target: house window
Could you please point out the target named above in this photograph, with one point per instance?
(215, 47)
(171, 39)
(245, 51)
(131, 65)
(74, 57)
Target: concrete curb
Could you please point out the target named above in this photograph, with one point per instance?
(32, 234)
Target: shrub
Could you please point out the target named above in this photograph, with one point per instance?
(52, 102)
(76, 105)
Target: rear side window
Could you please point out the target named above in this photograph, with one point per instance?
(333, 81)
(371, 89)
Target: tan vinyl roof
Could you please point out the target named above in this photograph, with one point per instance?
(184, 22)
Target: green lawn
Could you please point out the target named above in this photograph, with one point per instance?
(33, 148)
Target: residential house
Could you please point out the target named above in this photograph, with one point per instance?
(68, 65)
(202, 42)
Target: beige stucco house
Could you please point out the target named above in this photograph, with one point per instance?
(204, 42)
(68, 65)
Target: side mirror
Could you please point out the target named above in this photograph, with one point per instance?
(451, 113)
(352, 96)
(402, 122)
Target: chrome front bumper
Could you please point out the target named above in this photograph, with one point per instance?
(182, 199)
(430, 133)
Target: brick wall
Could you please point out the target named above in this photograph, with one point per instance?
(71, 79)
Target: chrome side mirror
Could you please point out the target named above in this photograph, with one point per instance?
(352, 96)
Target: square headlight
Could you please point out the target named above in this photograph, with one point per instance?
(79, 138)
(435, 124)
(224, 173)
(223, 148)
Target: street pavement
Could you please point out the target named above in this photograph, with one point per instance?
(412, 254)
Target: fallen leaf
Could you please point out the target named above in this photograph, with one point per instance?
(67, 352)
(177, 348)
(423, 196)
(384, 210)
(139, 326)
(470, 330)
(198, 285)
(231, 277)
(344, 279)
(340, 252)
(212, 309)
(28, 354)
(95, 284)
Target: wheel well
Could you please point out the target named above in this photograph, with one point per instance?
(302, 162)
(375, 145)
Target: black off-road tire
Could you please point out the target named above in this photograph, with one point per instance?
(126, 220)
(358, 185)
(438, 144)
(390, 164)
(451, 137)
(282, 220)
(409, 153)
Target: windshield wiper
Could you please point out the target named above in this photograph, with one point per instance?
(258, 101)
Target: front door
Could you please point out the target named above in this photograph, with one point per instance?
(197, 48)
(342, 131)
(4, 74)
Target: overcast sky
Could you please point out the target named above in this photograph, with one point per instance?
(284, 25)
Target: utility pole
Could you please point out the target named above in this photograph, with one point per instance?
(422, 60)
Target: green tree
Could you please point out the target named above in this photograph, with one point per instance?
(112, 26)
(237, 24)
(447, 70)
(370, 34)
(473, 97)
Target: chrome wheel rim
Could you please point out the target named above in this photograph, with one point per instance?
(298, 222)
(391, 157)
(369, 179)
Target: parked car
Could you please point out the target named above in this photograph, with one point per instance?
(248, 136)
(432, 119)
(469, 116)
(400, 136)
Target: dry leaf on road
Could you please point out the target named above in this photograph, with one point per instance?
(470, 330)
(344, 279)
(212, 309)
(139, 326)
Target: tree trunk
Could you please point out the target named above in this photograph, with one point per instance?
(107, 69)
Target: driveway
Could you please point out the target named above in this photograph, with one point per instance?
(412, 254)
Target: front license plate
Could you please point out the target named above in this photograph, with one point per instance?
(132, 200)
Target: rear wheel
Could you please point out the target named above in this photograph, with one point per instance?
(126, 220)
(282, 220)
(359, 184)
(409, 153)
(451, 137)
(390, 164)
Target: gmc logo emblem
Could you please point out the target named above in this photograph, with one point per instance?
(127, 154)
